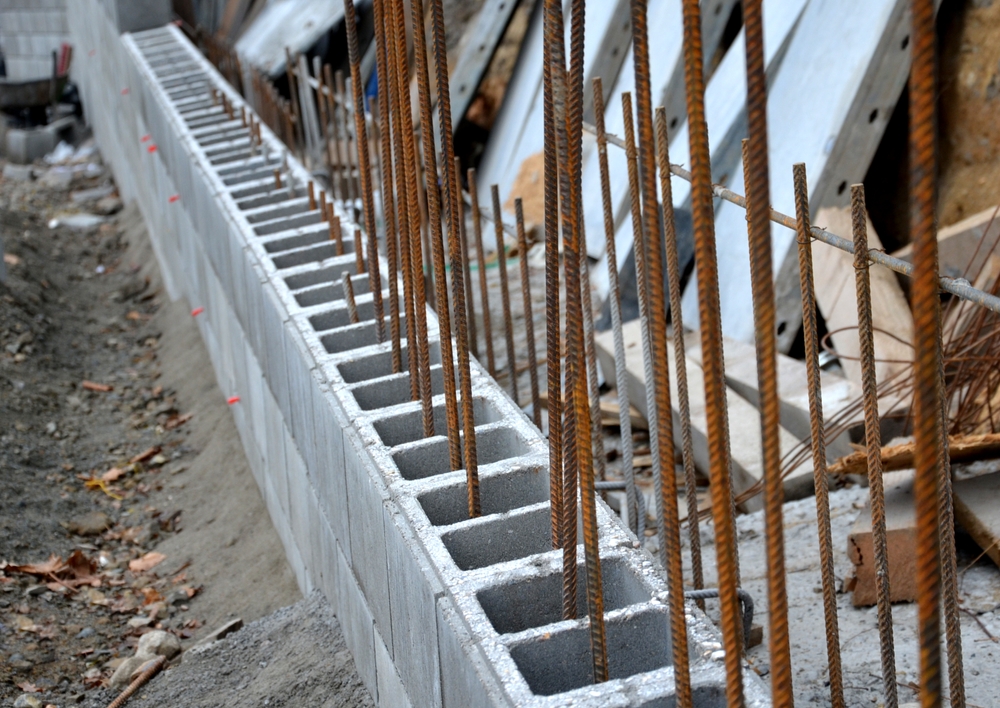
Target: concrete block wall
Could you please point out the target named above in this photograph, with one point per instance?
(438, 609)
(30, 30)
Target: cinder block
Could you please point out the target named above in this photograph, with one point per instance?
(470, 682)
(390, 688)
(357, 623)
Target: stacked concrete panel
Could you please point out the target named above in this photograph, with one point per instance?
(438, 609)
(30, 30)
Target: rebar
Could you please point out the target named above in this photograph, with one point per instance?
(342, 129)
(364, 165)
(710, 326)
(484, 296)
(463, 239)
(352, 308)
(333, 138)
(312, 196)
(663, 462)
(508, 322)
(928, 433)
(553, 343)
(336, 232)
(434, 217)
(359, 251)
(454, 201)
(385, 178)
(529, 324)
(614, 304)
(873, 444)
(680, 353)
(821, 480)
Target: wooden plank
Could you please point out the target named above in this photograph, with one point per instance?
(961, 448)
(959, 251)
(847, 74)
(793, 391)
(744, 421)
(901, 536)
(837, 300)
(977, 510)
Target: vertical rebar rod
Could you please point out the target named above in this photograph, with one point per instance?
(434, 216)
(312, 196)
(680, 353)
(333, 138)
(928, 433)
(293, 93)
(364, 165)
(710, 326)
(529, 323)
(404, 118)
(352, 308)
(402, 209)
(385, 175)
(336, 232)
(821, 481)
(342, 130)
(614, 303)
(590, 352)
(873, 444)
(663, 462)
(359, 251)
(508, 322)
(579, 455)
(321, 203)
(758, 212)
(553, 343)
(453, 198)
(470, 303)
(484, 295)
(635, 210)
(567, 422)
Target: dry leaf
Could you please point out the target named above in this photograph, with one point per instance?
(145, 454)
(151, 595)
(27, 686)
(94, 386)
(95, 483)
(113, 474)
(176, 421)
(50, 567)
(148, 561)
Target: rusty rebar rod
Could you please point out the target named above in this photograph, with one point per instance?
(614, 303)
(404, 119)
(710, 326)
(484, 296)
(873, 444)
(821, 480)
(336, 232)
(680, 353)
(553, 336)
(508, 322)
(529, 323)
(434, 216)
(463, 239)
(342, 130)
(348, 286)
(333, 138)
(663, 462)
(928, 423)
(385, 176)
(758, 193)
(359, 251)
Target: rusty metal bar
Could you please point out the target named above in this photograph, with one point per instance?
(529, 323)
(352, 308)
(434, 215)
(874, 445)
(710, 326)
(821, 481)
(508, 321)
(614, 302)
(463, 239)
(663, 462)
(484, 296)
(342, 129)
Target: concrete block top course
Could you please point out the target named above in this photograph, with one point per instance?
(498, 571)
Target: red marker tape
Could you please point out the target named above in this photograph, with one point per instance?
(233, 399)
(124, 91)
(197, 311)
(145, 138)
(151, 148)
(173, 198)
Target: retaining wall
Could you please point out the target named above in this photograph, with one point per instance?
(438, 609)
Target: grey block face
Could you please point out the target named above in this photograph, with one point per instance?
(437, 608)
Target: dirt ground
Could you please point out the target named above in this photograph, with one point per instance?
(106, 530)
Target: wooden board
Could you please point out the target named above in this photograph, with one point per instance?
(793, 391)
(959, 251)
(744, 421)
(977, 510)
(901, 537)
(837, 299)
